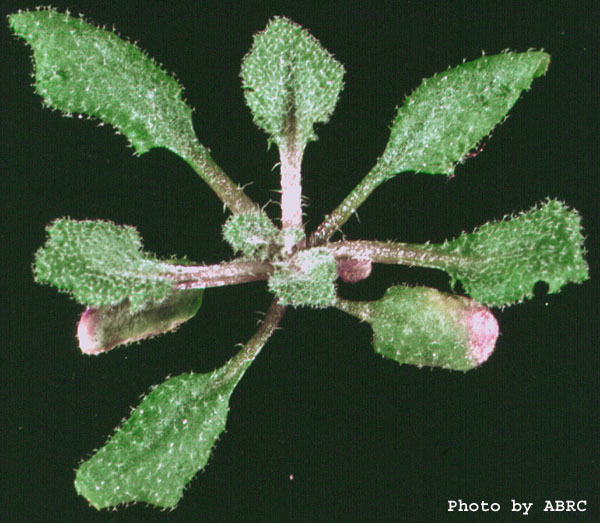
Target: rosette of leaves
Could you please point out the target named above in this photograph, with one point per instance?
(291, 83)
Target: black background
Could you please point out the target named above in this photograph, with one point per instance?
(363, 438)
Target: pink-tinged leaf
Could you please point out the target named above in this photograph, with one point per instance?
(102, 329)
(425, 327)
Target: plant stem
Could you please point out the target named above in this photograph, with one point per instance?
(358, 309)
(230, 194)
(242, 360)
(291, 193)
(344, 210)
(226, 273)
(394, 253)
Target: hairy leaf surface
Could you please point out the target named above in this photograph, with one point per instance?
(163, 444)
(80, 68)
(449, 113)
(500, 263)
(290, 82)
(101, 263)
(425, 327)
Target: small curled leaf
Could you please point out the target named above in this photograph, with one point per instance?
(307, 279)
(425, 327)
(102, 329)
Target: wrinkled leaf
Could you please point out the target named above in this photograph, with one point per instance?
(101, 263)
(449, 113)
(500, 263)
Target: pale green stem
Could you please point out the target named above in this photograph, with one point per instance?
(242, 360)
(394, 253)
(230, 194)
(334, 221)
(226, 273)
(358, 309)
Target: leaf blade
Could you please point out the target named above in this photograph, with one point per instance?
(449, 113)
(159, 449)
(425, 327)
(80, 68)
(290, 83)
(502, 261)
(101, 264)
(101, 330)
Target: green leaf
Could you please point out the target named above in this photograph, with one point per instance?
(424, 327)
(103, 329)
(500, 263)
(290, 82)
(101, 263)
(251, 234)
(80, 68)
(307, 279)
(448, 114)
(165, 441)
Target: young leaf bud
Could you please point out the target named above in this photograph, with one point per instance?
(353, 270)
(307, 279)
(424, 327)
(250, 233)
(100, 330)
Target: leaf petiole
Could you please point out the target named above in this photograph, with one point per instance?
(242, 360)
(291, 194)
(342, 213)
(198, 157)
(394, 253)
(226, 273)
